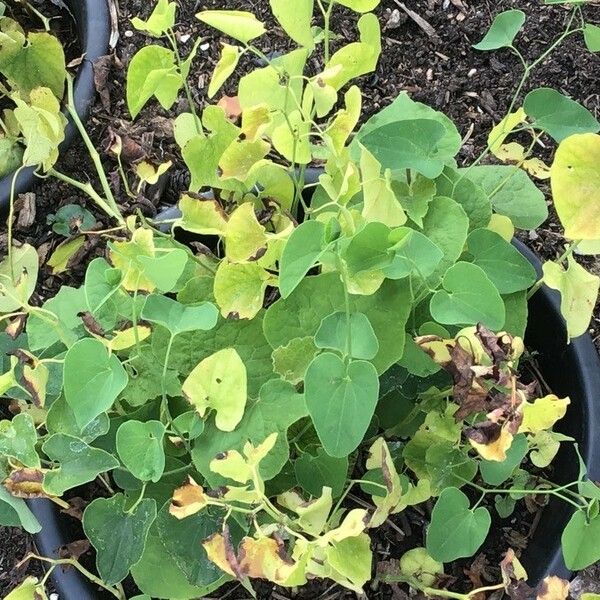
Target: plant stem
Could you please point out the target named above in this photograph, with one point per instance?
(139, 500)
(11, 217)
(88, 189)
(73, 563)
(110, 199)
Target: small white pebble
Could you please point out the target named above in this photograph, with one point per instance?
(53, 597)
(184, 38)
(471, 72)
(129, 33)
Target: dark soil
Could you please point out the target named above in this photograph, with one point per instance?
(442, 70)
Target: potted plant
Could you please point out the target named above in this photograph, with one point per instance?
(92, 23)
(332, 354)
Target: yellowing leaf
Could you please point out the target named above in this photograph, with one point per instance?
(30, 589)
(496, 450)
(292, 361)
(204, 216)
(149, 173)
(245, 237)
(35, 381)
(232, 465)
(264, 558)
(188, 500)
(291, 138)
(295, 18)
(59, 261)
(125, 256)
(230, 56)
(345, 120)
(126, 338)
(240, 289)
(543, 413)
(351, 561)
(353, 524)
(255, 121)
(502, 225)
(380, 458)
(219, 382)
(220, 552)
(238, 24)
(160, 21)
(575, 179)
(578, 293)
(240, 156)
(553, 588)
(501, 131)
(313, 515)
(536, 168)
(380, 203)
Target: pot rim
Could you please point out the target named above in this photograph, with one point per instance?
(93, 24)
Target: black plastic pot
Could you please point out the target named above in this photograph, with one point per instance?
(569, 369)
(92, 19)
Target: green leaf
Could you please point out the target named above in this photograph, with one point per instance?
(591, 34)
(575, 179)
(446, 225)
(177, 317)
(18, 280)
(118, 536)
(71, 219)
(336, 330)
(152, 72)
(505, 266)
(158, 575)
(408, 145)
(496, 473)
(40, 63)
(93, 379)
(456, 531)
(29, 589)
(558, 115)
(219, 382)
(316, 472)
(580, 541)
(512, 194)
(278, 406)
(165, 269)
(245, 336)
(468, 298)
(182, 540)
(302, 251)
(291, 361)
(503, 31)
(341, 401)
(454, 184)
(403, 108)
(301, 314)
(18, 438)
(352, 559)
(413, 254)
(578, 293)
(78, 463)
(140, 448)
(295, 19)
(161, 21)
(238, 24)
(17, 511)
(359, 5)
(61, 419)
(448, 466)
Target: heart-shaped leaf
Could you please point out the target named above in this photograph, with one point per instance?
(580, 541)
(468, 298)
(456, 531)
(341, 400)
(503, 30)
(140, 448)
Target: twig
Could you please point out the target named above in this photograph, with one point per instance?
(420, 21)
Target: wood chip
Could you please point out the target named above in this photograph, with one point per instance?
(420, 21)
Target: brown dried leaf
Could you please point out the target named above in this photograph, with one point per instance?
(231, 106)
(26, 483)
(553, 588)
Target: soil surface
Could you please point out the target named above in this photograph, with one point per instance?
(430, 56)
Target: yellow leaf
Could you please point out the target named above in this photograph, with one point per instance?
(543, 413)
(232, 465)
(353, 524)
(345, 120)
(501, 131)
(578, 293)
(553, 588)
(313, 515)
(59, 261)
(125, 256)
(502, 225)
(149, 173)
(495, 451)
(201, 215)
(188, 500)
(264, 558)
(219, 552)
(245, 237)
(230, 55)
(35, 381)
(575, 179)
(30, 589)
(126, 338)
(219, 382)
(255, 121)
(240, 289)
(536, 168)
(240, 156)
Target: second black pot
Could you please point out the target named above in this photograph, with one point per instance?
(92, 20)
